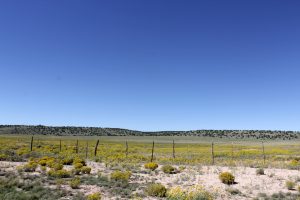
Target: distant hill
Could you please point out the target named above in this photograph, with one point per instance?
(98, 131)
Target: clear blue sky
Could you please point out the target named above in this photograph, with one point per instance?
(151, 65)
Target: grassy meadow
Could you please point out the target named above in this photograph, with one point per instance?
(188, 150)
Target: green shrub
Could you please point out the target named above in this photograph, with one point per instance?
(176, 193)
(290, 185)
(260, 171)
(168, 169)
(151, 165)
(13, 187)
(51, 163)
(30, 166)
(57, 166)
(68, 161)
(156, 190)
(95, 196)
(74, 183)
(76, 171)
(44, 168)
(298, 188)
(78, 165)
(120, 176)
(227, 178)
(43, 162)
(196, 192)
(79, 160)
(3, 157)
(86, 170)
(59, 173)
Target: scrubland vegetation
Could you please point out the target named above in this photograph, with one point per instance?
(98, 131)
(53, 167)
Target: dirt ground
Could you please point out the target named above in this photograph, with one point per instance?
(248, 183)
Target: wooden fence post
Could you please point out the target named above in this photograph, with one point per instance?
(212, 154)
(86, 149)
(232, 151)
(173, 149)
(59, 145)
(31, 143)
(96, 147)
(126, 150)
(152, 151)
(188, 152)
(263, 151)
(77, 147)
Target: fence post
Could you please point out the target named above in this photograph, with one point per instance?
(173, 149)
(212, 154)
(60, 145)
(126, 150)
(31, 143)
(96, 147)
(77, 147)
(86, 149)
(232, 151)
(263, 151)
(152, 151)
(188, 151)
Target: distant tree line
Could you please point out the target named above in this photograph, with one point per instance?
(98, 131)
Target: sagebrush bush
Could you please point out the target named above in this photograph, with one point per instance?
(260, 171)
(120, 176)
(57, 166)
(168, 169)
(75, 182)
(94, 196)
(227, 178)
(156, 190)
(30, 166)
(151, 165)
(3, 157)
(76, 171)
(196, 192)
(13, 187)
(68, 161)
(290, 185)
(59, 173)
(78, 165)
(43, 162)
(176, 193)
(43, 168)
(51, 163)
(294, 164)
(86, 170)
(79, 160)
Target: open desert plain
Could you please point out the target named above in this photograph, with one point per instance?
(149, 100)
(180, 167)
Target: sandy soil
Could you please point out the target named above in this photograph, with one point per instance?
(247, 182)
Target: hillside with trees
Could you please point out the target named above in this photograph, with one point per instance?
(98, 131)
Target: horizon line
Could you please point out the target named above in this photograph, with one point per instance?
(203, 129)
